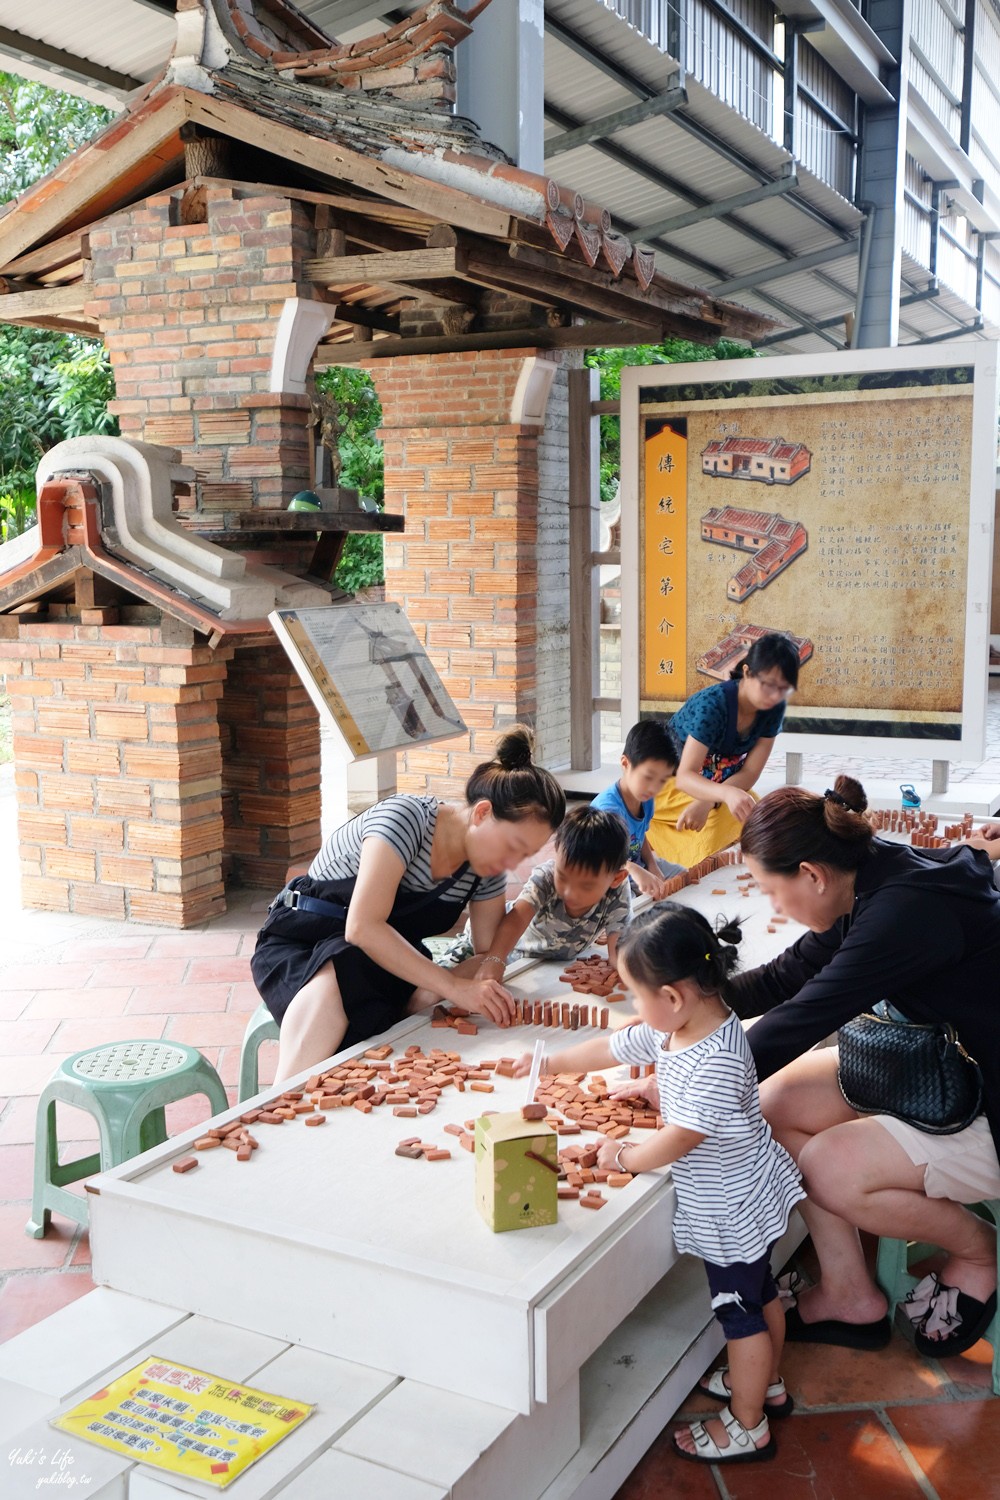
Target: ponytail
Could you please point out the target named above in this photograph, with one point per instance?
(790, 826)
(513, 785)
(669, 943)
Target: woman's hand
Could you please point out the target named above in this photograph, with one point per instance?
(989, 846)
(694, 816)
(639, 1088)
(491, 968)
(483, 997)
(739, 802)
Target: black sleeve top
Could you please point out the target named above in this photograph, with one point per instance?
(924, 932)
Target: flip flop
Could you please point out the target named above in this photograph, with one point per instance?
(974, 1318)
(869, 1336)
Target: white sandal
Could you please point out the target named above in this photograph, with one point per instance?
(741, 1449)
(777, 1402)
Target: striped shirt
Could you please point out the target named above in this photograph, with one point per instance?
(406, 824)
(736, 1189)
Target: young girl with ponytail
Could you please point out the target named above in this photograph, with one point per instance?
(735, 1185)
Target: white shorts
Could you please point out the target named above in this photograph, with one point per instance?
(962, 1167)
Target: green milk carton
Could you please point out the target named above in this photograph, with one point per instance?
(517, 1171)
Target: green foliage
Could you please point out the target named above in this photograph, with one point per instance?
(38, 128)
(82, 387)
(354, 420)
(611, 362)
(55, 385)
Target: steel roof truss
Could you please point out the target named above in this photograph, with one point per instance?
(773, 189)
(620, 119)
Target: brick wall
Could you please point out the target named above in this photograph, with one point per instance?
(118, 768)
(271, 768)
(189, 313)
(465, 569)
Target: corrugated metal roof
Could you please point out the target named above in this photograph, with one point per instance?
(133, 40)
(654, 169)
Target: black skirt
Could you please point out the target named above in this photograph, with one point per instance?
(292, 947)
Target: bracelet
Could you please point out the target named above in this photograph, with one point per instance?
(618, 1155)
(491, 958)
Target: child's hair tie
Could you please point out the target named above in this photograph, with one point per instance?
(831, 796)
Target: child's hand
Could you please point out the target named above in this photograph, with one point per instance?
(606, 1157)
(659, 884)
(639, 1088)
(523, 1065)
(694, 816)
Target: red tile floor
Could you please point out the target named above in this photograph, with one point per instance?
(885, 1426)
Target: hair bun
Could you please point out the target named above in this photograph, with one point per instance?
(852, 792)
(514, 748)
(731, 931)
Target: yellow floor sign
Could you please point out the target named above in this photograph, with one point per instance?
(183, 1420)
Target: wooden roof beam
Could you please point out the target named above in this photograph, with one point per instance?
(404, 266)
(578, 336)
(43, 302)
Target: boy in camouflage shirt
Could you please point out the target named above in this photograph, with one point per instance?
(577, 898)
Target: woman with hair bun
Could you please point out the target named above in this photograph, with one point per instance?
(725, 734)
(341, 955)
(919, 929)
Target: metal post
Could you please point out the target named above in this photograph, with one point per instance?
(790, 84)
(968, 73)
(584, 578)
(940, 771)
(935, 226)
(675, 32)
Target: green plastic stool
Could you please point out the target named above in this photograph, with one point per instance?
(261, 1027)
(124, 1086)
(892, 1272)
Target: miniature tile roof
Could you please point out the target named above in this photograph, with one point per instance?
(741, 520)
(321, 115)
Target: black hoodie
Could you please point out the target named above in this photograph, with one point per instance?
(924, 933)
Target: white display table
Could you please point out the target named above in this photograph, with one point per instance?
(591, 1329)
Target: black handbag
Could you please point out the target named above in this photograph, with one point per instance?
(918, 1073)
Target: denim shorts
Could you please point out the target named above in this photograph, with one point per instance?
(740, 1292)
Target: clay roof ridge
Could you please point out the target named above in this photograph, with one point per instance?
(325, 112)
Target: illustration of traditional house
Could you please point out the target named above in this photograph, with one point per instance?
(720, 660)
(771, 460)
(774, 542)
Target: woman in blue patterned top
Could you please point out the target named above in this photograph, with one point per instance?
(727, 733)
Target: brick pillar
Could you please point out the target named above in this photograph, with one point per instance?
(466, 478)
(189, 313)
(118, 768)
(271, 768)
